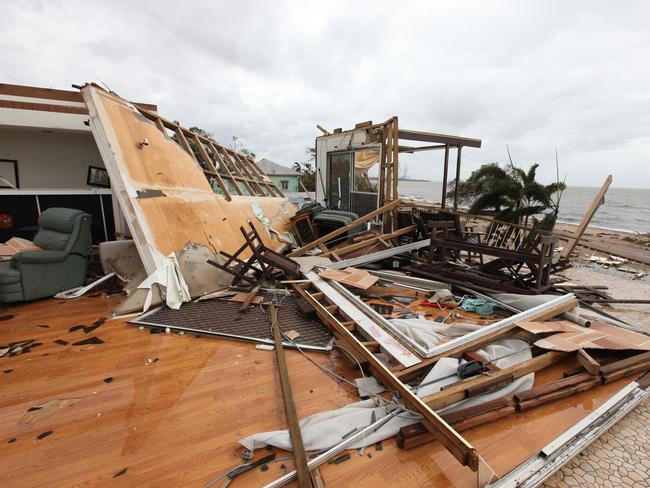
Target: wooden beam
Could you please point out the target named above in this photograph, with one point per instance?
(182, 140)
(599, 199)
(224, 166)
(208, 161)
(342, 230)
(462, 389)
(414, 135)
(586, 361)
(411, 150)
(458, 157)
(445, 176)
(361, 244)
(453, 442)
(324, 131)
(304, 479)
(456, 351)
(395, 193)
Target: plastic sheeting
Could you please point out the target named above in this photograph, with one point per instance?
(326, 429)
(169, 277)
(261, 216)
(428, 334)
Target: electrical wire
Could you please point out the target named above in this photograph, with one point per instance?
(384, 402)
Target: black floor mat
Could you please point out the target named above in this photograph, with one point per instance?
(223, 318)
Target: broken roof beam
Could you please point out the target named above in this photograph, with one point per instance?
(415, 135)
(458, 446)
(237, 166)
(411, 149)
(203, 153)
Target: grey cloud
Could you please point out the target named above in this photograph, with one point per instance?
(535, 76)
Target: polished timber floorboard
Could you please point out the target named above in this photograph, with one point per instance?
(95, 403)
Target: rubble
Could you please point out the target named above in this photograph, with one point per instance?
(446, 329)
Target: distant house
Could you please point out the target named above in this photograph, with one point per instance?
(286, 179)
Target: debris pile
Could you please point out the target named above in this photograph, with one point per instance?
(448, 328)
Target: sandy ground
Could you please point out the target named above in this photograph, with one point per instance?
(618, 287)
(632, 245)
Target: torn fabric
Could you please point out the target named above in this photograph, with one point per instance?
(282, 236)
(428, 333)
(326, 429)
(169, 277)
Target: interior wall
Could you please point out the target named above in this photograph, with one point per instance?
(53, 159)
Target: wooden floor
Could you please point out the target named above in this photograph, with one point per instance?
(166, 410)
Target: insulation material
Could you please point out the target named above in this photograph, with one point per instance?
(570, 337)
(365, 159)
(358, 278)
(283, 236)
(162, 190)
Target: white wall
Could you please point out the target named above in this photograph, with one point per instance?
(335, 142)
(56, 159)
(44, 120)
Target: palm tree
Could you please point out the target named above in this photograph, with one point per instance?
(513, 194)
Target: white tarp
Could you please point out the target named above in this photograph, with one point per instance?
(326, 429)
(169, 277)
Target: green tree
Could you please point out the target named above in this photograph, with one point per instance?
(307, 170)
(512, 194)
(247, 153)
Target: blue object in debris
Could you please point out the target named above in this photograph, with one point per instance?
(478, 305)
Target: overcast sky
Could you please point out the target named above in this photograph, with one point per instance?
(534, 75)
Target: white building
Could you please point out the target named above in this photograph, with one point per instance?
(48, 158)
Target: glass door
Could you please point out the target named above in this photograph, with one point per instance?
(339, 175)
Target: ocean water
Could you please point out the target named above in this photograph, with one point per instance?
(626, 209)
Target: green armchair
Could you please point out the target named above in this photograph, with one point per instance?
(64, 237)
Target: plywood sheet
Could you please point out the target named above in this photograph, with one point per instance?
(571, 337)
(163, 191)
(357, 278)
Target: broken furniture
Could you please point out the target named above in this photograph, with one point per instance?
(261, 263)
(521, 259)
(64, 237)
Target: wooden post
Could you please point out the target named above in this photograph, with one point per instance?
(457, 178)
(289, 406)
(599, 199)
(395, 192)
(445, 175)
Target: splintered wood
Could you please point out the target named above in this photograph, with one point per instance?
(569, 337)
(358, 278)
(16, 245)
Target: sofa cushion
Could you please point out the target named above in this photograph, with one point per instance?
(8, 274)
(51, 240)
(59, 219)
